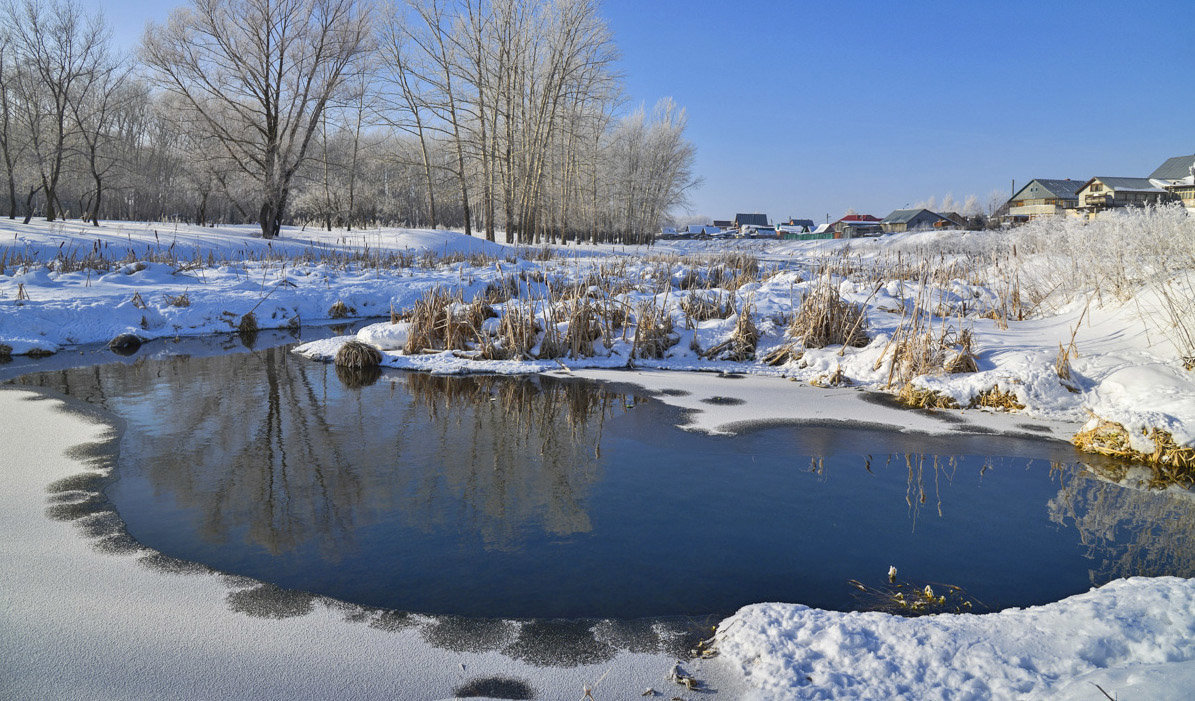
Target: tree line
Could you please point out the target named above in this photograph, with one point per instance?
(484, 115)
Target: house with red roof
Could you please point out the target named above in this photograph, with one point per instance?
(854, 225)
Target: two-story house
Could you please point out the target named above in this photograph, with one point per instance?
(1044, 197)
(1177, 176)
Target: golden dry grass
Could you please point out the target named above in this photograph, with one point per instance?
(357, 355)
(340, 310)
(825, 319)
(995, 398)
(921, 398)
(1169, 460)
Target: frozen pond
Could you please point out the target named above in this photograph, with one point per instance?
(540, 497)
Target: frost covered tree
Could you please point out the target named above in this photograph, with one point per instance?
(258, 74)
(56, 53)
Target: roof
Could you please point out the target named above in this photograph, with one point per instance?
(801, 222)
(1130, 184)
(751, 219)
(858, 219)
(904, 216)
(1066, 189)
(1175, 168)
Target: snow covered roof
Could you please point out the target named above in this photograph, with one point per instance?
(1126, 184)
(1176, 168)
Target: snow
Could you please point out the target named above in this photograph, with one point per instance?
(66, 607)
(1133, 637)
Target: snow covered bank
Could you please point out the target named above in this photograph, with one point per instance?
(86, 614)
(1135, 638)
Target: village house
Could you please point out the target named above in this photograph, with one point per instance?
(1044, 197)
(910, 220)
(855, 225)
(1177, 177)
(1101, 193)
(741, 220)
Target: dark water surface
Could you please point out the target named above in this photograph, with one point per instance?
(539, 497)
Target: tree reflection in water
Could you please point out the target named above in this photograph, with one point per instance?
(494, 496)
(254, 444)
(1127, 531)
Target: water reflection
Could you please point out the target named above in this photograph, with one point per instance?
(254, 445)
(1127, 531)
(526, 497)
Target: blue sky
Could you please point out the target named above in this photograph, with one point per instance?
(809, 108)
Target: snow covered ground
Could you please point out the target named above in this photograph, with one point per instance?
(1120, 307)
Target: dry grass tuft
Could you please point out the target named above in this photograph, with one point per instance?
(182, 300)
(501, 290)
(340, 310)
(784, 353)
(964, 360)
(435, 325)
(248, 324)
(518, 332)
(995, 398)
(825, 319)
(582, 328)
(921, 398)
(699, 307)
(743, 339)
(1170, 461)
(357, 355)
(137, 301)
(5, 352)
(653, 331)
(831, 379)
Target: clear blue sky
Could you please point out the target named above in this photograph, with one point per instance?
(809, 108)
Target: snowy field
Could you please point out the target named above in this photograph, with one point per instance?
(1075, 327)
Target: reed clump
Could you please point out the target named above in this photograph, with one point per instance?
(740, 346)
(964, 359)
(248, 324)
(356, 355)
(826, 319)
(435, 325)
(703, 306)
(1170, 461)
(340, 310)
(653, 331)
(923, 398)
(996, 398)
(518, 332)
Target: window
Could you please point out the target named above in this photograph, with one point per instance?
(1096, 187)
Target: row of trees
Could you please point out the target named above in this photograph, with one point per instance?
(480, 114)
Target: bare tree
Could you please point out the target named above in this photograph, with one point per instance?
(259, 74)
(101, 94)
(58, 49)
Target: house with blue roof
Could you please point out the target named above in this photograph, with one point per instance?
(1177, 177)
(1044, 197)
(1103, 193)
